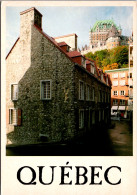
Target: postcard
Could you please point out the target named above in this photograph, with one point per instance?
(68, 82)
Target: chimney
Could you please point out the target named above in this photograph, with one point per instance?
(27, 18)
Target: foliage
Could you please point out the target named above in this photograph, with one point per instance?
(110, 59)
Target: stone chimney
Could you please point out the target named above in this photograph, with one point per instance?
(27, 18)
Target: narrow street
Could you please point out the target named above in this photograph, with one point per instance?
(121, 137)
(115, 141)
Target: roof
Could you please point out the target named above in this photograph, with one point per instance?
(118, 70)
(12, 47)
(63, 44)
(88, 62)
(74, 54)
(65, 36)
(53, 41)
(101, 23)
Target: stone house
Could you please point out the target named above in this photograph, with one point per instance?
(52, 92)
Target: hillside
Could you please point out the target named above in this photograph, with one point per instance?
(110, 59)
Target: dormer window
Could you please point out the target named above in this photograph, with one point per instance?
(67, 48)
(102, 76)
(92, 69)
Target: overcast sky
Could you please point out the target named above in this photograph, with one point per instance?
(59, 21)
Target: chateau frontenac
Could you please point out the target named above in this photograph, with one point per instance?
(105, 34)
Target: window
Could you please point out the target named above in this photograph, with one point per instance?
(93, 94)
(130, 82)
(122, 102)
(115, 83)
(87, 92)
(115, 92)
(13, 116)
(81, 90)
(115, 75)
(81, 119)
(122, 75)
(92, 69)
(115, 102)
(130, 75)
(122, 92)
(14, 92)
(122, 82)
(46, 90)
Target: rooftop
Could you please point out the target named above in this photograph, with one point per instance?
(101, 23)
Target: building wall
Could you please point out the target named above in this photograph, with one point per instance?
(52, 118)
(92, 105)
(127, 88)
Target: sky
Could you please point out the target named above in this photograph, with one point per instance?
(58, 21)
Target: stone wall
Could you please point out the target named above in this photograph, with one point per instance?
(52, 118)
(91, 105)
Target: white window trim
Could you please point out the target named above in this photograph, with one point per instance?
(122, 91)
(122, 84)
(116, 83)
(116, 94)
(115, 75)
(10, 119)
(11, 91)
(81, 97)
(122, 75)
(50, 89)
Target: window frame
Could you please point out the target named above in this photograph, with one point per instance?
(115, 102)
(81, 92)
(120, 82)
(41, 89)
(121, 93)
(11, 91)
(116, 93)
(122, 75)
(11, 116)
(87, 92)
(121, 102)
(115, 82)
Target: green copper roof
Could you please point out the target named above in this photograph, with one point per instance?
(100, 24)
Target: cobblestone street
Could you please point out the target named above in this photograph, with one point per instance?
(121, 137)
